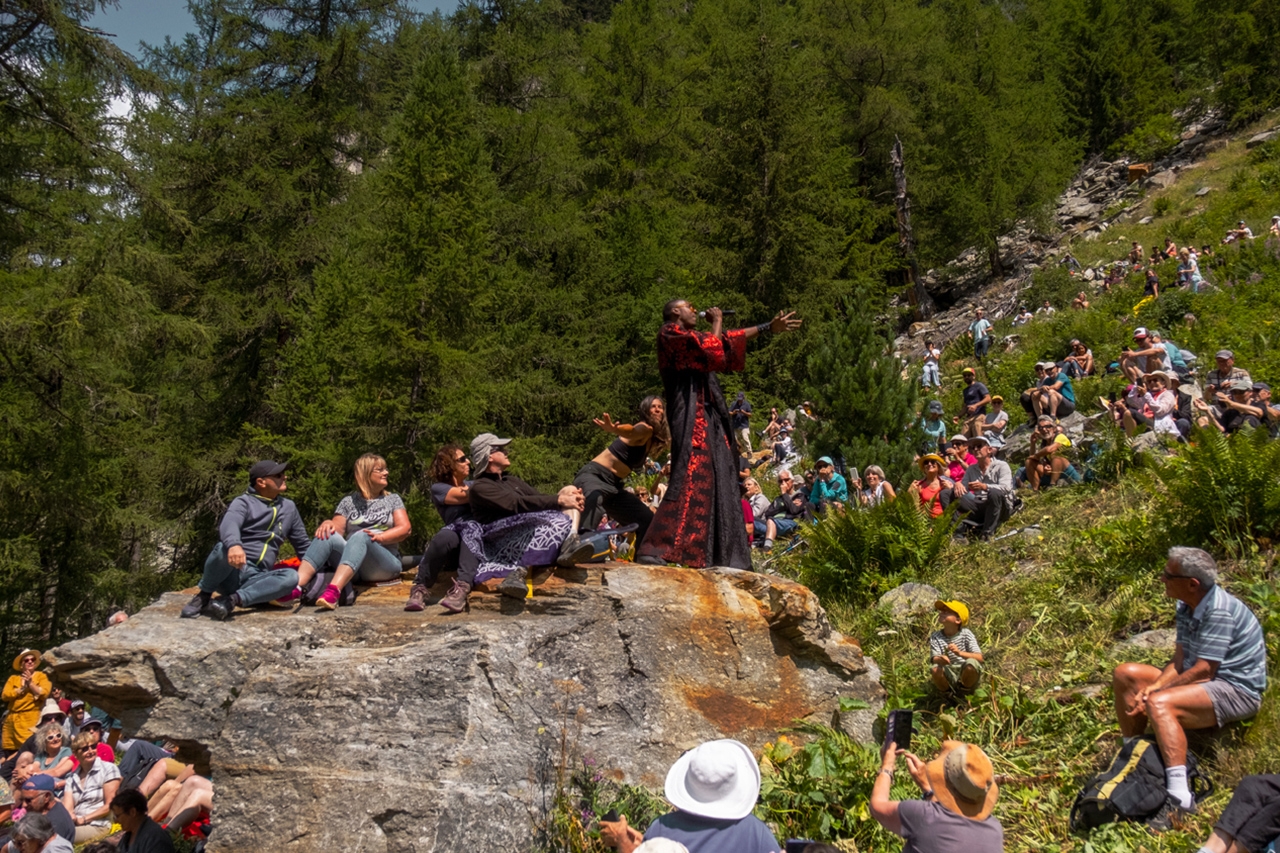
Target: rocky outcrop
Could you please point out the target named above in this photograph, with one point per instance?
(373, 729)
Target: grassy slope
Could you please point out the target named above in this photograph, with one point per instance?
(1048, 610)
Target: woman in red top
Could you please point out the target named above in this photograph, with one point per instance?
(934, 489)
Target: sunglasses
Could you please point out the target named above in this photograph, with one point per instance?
(1166, 576)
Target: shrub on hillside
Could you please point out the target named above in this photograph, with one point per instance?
(856, 555)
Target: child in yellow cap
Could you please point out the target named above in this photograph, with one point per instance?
(954, 652)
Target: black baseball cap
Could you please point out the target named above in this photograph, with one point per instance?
(266, 468)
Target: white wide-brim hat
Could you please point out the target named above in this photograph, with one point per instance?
(719, 779)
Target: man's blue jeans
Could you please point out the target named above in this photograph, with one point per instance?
(980, 347)
(371, 562)
(930, 376)
(256, 585)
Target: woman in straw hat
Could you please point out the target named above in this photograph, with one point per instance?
(954, 816)
(933, 491)
(23, 693)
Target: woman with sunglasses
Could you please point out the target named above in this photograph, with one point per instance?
(89, 790)
(52, 755)
(23, 693)
(933, 491)
(450, 494)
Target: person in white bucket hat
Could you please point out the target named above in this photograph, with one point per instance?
(714, 787)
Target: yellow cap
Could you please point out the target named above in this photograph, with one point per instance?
(957, 607)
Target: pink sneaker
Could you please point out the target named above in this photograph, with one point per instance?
(288, 598)
(328, 599)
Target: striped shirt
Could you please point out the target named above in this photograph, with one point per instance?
(964, 640)
(1222, 629)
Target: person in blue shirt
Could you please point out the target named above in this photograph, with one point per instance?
(830, 489)
(1055, 397)
(980, 332)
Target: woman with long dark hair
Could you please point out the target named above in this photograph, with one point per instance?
(450, 493)
(602, 479)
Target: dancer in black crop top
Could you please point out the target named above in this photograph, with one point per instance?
(601, 479)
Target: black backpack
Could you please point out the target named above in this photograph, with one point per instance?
(1132, 788)
(320, 582)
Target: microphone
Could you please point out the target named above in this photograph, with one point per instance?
(724, 312)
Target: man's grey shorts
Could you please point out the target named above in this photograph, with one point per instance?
(1230, 703)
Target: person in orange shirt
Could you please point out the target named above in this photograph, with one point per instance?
(23, 693)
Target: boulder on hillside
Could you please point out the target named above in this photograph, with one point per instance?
(909, 600)
(373, 729)
(1162, 639)
(1262, 138)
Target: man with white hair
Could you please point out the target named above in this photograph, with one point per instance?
(1217, 675)
(714, 787)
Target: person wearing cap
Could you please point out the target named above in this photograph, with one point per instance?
(994, 422)
(1270, 411)
(714, 788)
(361, 541)
(1079, 362)
(830, 488)
(1274, 231)
(1241, 232)
(1055, 397)
(1223, 374)
(975, 397)
(932, 491)
(1143, 356)
(241, 565)
(1217, 675)
(954, 654)
(783, 516)
(1163, 402)
(1234, 411)
(1023, 317)
(980, 334)
(700, 520)
(929, 373)
(958, 456)
(933, 426)
(954, 815)
(39, 794)
(985, 493)
(23, 693)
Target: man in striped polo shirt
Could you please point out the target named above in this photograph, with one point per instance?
(1217, 675)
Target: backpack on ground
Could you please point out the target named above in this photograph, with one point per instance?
(320, 582)
(1132, 788)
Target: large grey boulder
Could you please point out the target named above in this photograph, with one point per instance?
(909, 600)
(1161, 639)
(372, 729)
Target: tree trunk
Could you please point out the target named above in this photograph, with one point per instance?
(920, 297)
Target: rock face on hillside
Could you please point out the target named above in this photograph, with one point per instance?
(372, 729)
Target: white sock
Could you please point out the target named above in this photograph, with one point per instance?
(1175, 779)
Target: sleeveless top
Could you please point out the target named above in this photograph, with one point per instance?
(631, 455)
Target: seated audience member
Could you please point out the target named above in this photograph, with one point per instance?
(51, 753)
(192, 801)
(929, 373)
(1173, 360)
(1079, 363)
(23, 694)
(1023, 316)
(784, 444)
(985, 493)
(1080, 303)
(77, 714)
(93, 727)
(975, 397)
(147, 767)
(714, 788)
(1025, 399)
(1132, 411)
(522, 526)
(756, 498)
(933, 426)
(1143, 357)
(1270, 411)
(1135, 253)
(241, 565)
(1225, 372)
(958, 457)
(1217, 675)
(1162, 402)
(1189, 272)
(1047, 462)
(1236, 407)
(89, 790)
(783, 516)
(954, 653)
(994, 423)
(1055, 397)
(141, 833)
(932, 491)
(748, 515)
(35, 834)
(39, 795)
(450, 495)
(1170, 248)
(1046, 309)
(954, 814)
(829, 489)
(1251, 821)
(1238, 234)
(601, 480)
(876, 489)
(770, 431)
(361, 541)
(1151, 285)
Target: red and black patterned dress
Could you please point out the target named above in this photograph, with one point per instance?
(699, 522)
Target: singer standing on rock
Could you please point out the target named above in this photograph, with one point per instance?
(700, 522)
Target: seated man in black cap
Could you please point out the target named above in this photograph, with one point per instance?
(39, 794)
(985, 493)
(241, 565)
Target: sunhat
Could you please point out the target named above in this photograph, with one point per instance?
(963, 780)
(17, 662)
(719, 779)
(51, 706)
(979, 439)
(932, 457)
(960, 437)
(482, 446)
(959, 608)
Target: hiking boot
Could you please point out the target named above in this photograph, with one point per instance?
(456, 600)
(197, 605)
(328, 599)
(288, 599)
(417, 598)
(220, 608)
(1171, 816)
(513, 585)
(575, 550)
